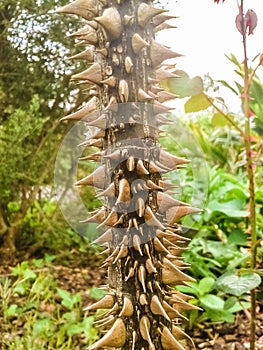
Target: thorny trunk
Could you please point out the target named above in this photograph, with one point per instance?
(143, 236)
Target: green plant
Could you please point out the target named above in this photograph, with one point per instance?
(31, 99)
(250, 92)
(221, 246)
(220, 251)
(216, 307)
(38, 314)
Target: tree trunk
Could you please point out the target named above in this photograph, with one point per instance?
(143, 236)
(8, 234)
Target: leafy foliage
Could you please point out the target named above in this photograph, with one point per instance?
(183, 85)
(220, 253)
(49, 317)
(34, 76)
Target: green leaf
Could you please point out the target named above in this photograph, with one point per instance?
(38, 263)
(239, 259)
(49, 258)
(259, 125)
(257, 91)
(206, 284)
(89, 331)
(44, 327)
(192, 288)
(71, 317)
(22, 270)
(219, 120)
(224, 83)
(223, 252)
(96, 293)
(232, 58)
(66, 298)
(183, 85)
(229, 303)
(197, 103)
(238, 284)
(76, 298)
(211, 301)
(220, 315)
(240, 306)
(13, 207)
(233, 208)
(223, 315)
(237, 237)
(28, 273)
(20, 289)
(11, 311)
(74, 329)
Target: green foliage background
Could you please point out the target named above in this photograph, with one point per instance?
(220, 252)
(35, 92)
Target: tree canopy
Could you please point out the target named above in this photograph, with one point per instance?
(35, 91)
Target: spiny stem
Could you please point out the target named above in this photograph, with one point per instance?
(251, 178)
(142, 234)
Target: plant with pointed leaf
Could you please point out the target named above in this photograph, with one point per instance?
(250, 94)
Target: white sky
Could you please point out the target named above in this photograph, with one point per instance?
(206, 32)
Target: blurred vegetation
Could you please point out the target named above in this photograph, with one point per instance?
(220, 252)
(35, 310)
(35, 92)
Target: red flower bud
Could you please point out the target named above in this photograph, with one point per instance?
(252, 21)
(249, 21)
(240, 23)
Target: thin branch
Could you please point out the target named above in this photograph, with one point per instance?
(251, 176)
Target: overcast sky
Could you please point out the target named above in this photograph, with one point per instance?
(206, 32)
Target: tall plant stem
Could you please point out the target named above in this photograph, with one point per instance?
(251, 179)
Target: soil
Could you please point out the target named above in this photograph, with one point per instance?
(206, 336)
(228, 336)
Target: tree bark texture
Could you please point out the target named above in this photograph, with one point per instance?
(142, 234)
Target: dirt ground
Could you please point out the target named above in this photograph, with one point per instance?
(228, 336)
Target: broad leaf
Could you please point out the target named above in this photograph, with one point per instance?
(206, 284)
(66, 298)
(74, 329)
(89, 330)
(237, 237)
(229, 303)
(44, 327)
(257, 91)
(213, 302)
(71, 317)
(220, 251)
(96, 293)
(197, 103)
(220, 120)
(233, 208)
(11, 311)
(183, 85)
(238, 284)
